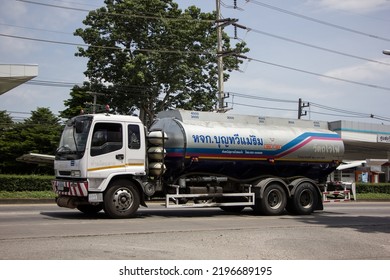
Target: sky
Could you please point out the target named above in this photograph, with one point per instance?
(326, 52)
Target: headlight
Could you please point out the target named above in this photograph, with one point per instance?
(75, 173)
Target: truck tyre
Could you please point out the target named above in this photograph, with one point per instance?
(90, 209)
(273, 202)
(304, 200)
(121, 200)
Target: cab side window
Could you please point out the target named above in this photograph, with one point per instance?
(134, 136)
(107, 137)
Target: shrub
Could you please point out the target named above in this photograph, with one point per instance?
(373, 188)
(13, 183)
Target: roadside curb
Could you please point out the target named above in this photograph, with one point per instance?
(8, 201)
(27, 201)
(46, 201)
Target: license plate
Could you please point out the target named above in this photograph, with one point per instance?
(60, 186)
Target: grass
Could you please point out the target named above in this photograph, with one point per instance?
(373, 196)
(27, 194)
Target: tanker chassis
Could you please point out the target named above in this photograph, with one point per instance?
(194, 159)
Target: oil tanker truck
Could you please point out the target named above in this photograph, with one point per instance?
(194, 159)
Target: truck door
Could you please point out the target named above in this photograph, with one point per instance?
(107, 150)
(135, 149)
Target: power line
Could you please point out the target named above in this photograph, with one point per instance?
(178, 51)
(249, 29)
(262, 107)
(54, 6)
(212, 21)
(346, 113)
(47, 83)
(102, 47)
(118, 14)
(317, 74)
(338, 110)
(48, 41)
(317, 20)
(261, 98)
(51, 83)
(37, 29)
(350, 113)
(367, 116)
(335, 115)
(314, 46)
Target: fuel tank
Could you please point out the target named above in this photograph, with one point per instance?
(247, 147)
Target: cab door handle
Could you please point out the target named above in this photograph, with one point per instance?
(120, 156)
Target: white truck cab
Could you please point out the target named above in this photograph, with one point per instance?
(94, 149)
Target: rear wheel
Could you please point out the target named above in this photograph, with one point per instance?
(304, 201)
(273, 202)
(121, 200)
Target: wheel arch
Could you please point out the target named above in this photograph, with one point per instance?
(261, 185)
(131, 179)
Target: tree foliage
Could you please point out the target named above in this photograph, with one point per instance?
(82, 100)
(149, 55)
(38, 134)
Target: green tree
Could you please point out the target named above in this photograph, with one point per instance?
(9, 140)
(5, 123)
(39, 134)
(150, 55)
(81, 100)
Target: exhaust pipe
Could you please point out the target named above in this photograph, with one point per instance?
(67, 202)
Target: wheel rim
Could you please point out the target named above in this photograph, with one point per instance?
(123, 199)
(275, 199)
(306, 199)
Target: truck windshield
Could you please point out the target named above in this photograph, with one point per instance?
(74, 138)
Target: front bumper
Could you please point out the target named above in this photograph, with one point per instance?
(70, 188)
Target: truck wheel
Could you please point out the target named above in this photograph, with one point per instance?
(121, 200)
(90, 209)
(273, 202)
(304, 201)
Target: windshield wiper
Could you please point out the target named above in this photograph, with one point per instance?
(65, 150)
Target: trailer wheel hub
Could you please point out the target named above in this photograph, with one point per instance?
(306, 199)
(275, 199)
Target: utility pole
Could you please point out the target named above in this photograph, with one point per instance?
(220, 53)
(94, 94)
(221, 94)
(302, 105)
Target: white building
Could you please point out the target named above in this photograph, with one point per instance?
(367, 152)
(13, 75)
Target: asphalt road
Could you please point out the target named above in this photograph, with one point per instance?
(346, 230)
